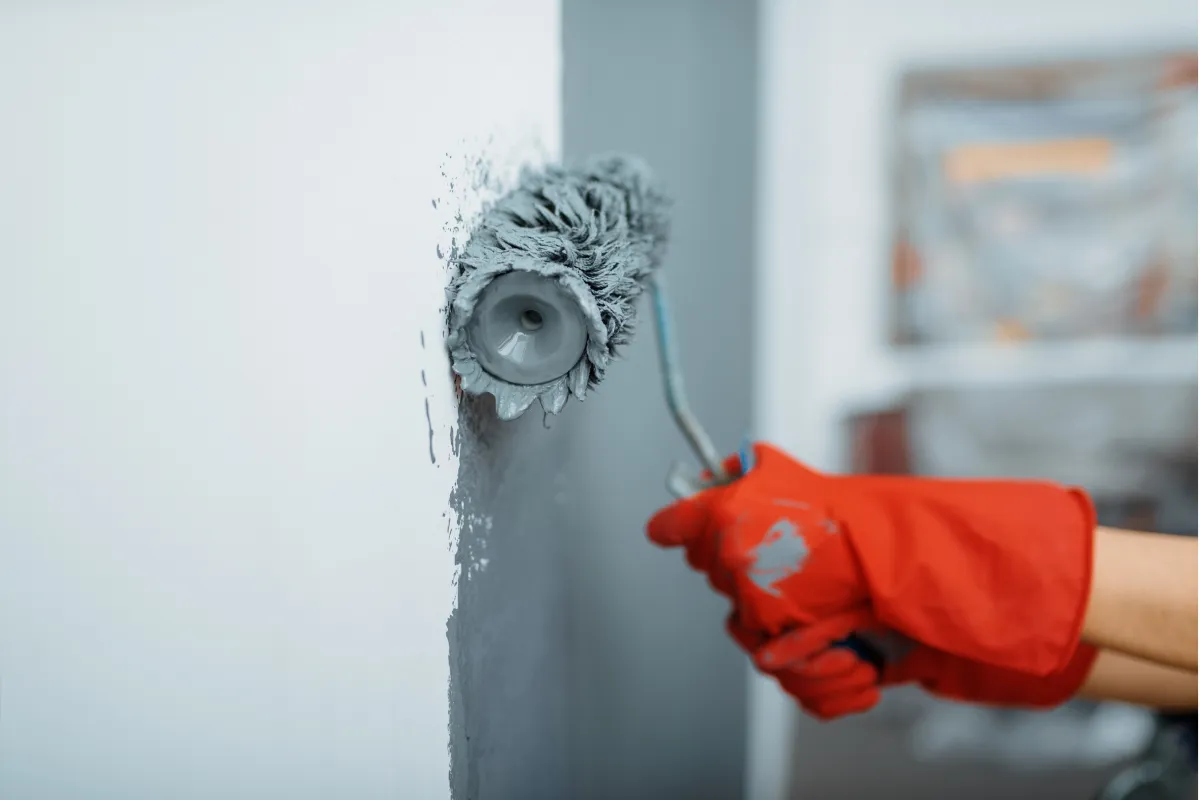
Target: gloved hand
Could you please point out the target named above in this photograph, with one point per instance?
(830, 681)
(994, 572)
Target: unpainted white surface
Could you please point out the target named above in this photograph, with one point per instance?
(226, 557)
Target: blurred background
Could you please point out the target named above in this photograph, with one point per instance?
(923, 237)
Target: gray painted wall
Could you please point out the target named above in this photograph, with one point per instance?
(585, 662)
(657, 702)
(508, 659)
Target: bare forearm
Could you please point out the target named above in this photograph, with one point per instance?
(1143, 599)
(1125, 679)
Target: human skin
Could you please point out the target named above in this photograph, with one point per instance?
(1142, 615)
(1125, 679)
(1143, 597)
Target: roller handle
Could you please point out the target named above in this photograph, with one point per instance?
(866, 650)
(879, 648)
(876, 651)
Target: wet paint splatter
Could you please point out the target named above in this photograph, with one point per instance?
(434, 201)
(438, 248)
(423, 381)
(422, 340)
(429, 420)
(780, 555)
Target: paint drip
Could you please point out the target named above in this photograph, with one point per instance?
(596, 231)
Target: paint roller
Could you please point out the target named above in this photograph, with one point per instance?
(545, 295)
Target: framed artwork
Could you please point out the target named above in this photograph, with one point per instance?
(1050, 201)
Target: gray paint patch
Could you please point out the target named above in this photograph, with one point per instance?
(781, 554)
(507, 637)
(429, 422)
(508, 654)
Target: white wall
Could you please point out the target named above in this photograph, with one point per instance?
(226, 559)
(828, 69)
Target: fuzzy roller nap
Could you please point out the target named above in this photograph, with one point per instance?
(546, 288)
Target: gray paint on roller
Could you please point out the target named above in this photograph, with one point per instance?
(597, 230)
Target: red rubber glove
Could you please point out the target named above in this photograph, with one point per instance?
(996, 572)
(830, 682)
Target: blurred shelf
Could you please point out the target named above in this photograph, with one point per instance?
(1095, 361)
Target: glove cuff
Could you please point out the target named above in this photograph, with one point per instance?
(952, 678)
(992, 571)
